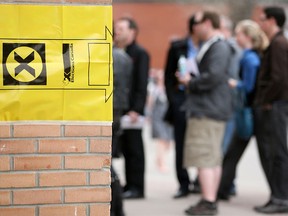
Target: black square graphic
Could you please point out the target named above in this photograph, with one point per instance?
(24, 64)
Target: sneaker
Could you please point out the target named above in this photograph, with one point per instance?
(202, 208)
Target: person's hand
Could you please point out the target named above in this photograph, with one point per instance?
(133, 116)
(267, 107)
(232, 83)
(183, 79)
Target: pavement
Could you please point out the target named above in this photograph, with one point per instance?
(252, 189)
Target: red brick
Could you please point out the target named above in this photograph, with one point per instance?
(26, 197)
(63, 211)
(71, 1)
(4, 163)
(16, 180)
(100, 145)
(62, 179)
(100, 178)
(87, 195)
(5, 198)
(92, 1)
(82, 130)
(16, 146)
(29, 211)
(39, 130)
(106, 130)
(5, 131)
(37, 1)
(62, 146)
(87, 162)
(37, 163)
(100, 210)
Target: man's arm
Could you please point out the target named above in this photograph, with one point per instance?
(170, 69)
(141, 79)
(278, 71)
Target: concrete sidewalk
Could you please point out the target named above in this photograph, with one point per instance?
(251, 186)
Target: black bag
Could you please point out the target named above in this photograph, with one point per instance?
(117, 201)
(117, 144)
(244, 117)
(116, 134)
(244, 122)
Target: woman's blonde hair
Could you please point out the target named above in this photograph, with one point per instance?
(253, 30)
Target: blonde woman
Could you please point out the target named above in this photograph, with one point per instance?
(253, 41)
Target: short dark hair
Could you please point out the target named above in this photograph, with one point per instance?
(191, 23)
(213, 17)
(277, 13)
(132, 23)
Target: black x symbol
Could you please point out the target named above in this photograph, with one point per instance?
(24, 64)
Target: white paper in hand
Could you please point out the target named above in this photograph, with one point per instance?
(192, 66)
(126, 123)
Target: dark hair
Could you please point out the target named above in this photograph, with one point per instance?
(213, 17)
(277, 13)
(132, 23)
(191, 23)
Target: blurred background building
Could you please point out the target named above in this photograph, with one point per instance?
(161, 21)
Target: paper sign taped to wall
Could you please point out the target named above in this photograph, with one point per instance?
(56, 62)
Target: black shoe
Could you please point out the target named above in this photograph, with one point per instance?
(232, 192)
(202, 208)
(181, 193)
(272, 208)
(132, 194)
(224, 197)
(258, 208)
(196, 189)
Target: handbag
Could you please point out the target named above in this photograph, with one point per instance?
(244, 122)
(244, 118)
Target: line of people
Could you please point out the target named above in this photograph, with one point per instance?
(208, 105)
(202, 103)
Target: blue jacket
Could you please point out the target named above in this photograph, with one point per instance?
(249, 67)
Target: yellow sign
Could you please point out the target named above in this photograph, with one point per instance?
(56, 62)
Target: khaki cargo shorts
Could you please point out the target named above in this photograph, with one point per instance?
(203, 143)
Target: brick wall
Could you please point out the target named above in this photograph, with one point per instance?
(166, 22)
(55, 169)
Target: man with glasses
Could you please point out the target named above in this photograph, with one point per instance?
(271, 113)
(208, 106)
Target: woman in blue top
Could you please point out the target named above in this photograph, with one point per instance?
(253, 41)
